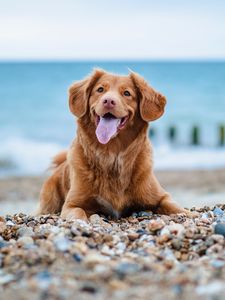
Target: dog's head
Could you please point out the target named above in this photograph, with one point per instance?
(114, 103)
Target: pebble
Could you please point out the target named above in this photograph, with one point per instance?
(77, 257)
(217, 238)
(9, 223)
(220, 229)
(133, 236)
(143, 214)
(6, 278)
(127, 268)
(25, 231)
(156, 225)
(177, 244)
(121, 246)
(205, 216)
(175, 229)
(2, 243)
(89, 287)
(44, 279)
(25, 241)
(107, 251)
(95, 219)
(61, 243)
(214, 289)
(93, 259)
(218, 263)
(141, 231)
(218, 211)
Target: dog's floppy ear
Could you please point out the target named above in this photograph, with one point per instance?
(151, 102)
(80, 92)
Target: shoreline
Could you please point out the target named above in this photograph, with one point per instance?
(188, 188)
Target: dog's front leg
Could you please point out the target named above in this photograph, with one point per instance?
(73, 207)
(155, 197)
(167, 206)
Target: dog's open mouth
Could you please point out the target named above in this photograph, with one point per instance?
(108, 126)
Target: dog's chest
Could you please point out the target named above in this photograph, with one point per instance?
(111, 173)
(110, 181)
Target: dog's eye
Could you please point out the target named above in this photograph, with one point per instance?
(126, 93)
(100, 89)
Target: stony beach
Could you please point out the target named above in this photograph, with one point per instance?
(145, 256)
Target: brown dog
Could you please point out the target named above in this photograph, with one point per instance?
(108, 169)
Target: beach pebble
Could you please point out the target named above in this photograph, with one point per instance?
(218, 211)
(177, 244)
(94, 258)
(141, 231)
(143, 214)
(61, 243)
(213, 289)
(95, 219)
(107, 251)
(218, 263)
(134, 215)
(25, 231)
(25, 241)
(205, 216)
(9, 223)
(6, 278)
(104, 270)
(133, 236)
(2, 227)
(220, 229)
(44, 279)
(125, 268)
(163, 238)
(89, 287)
(168, 254)
(2, 242)
(221, 219)
(176, 229)
(75, 230)
(77, 257)
(155, 225)
(217, 238)
(44, 230)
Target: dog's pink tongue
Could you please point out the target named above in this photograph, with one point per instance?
(106, 128)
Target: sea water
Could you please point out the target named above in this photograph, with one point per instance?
(35, 122)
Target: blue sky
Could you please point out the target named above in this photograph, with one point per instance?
(112, 29)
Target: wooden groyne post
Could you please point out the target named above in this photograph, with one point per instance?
(172, 133)
(195, 136)
(221, 135)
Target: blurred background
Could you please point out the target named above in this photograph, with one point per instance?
(179, 47)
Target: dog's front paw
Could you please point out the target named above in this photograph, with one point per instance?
(71, 214)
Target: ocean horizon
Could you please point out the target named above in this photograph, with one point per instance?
(35, 121)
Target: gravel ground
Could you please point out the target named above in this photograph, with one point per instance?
(145, 256)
